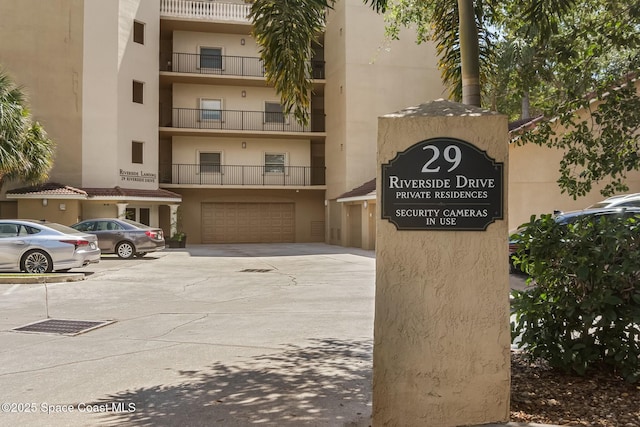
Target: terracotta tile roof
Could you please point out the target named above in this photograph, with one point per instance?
(368, 188)
(53, 189)
(50, 189)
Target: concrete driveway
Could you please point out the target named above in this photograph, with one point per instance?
(230, 335)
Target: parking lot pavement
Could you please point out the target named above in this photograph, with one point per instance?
(213, 335)
(227, 335)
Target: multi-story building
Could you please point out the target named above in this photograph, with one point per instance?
(156, 104)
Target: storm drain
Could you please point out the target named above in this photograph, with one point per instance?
(63, 327)
(256, 270)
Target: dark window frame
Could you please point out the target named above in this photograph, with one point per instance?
(138, 32)
(210, 166)
(137, 152)
(274, 113)
(138, 92)
(210, 60)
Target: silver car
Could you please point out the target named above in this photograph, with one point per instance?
(42, 247)
(123, 237)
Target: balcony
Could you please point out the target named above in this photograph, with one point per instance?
(206, 10)
(236, 120)
(242, 175)
(223, 65)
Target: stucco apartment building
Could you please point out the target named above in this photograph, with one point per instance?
(161, 113)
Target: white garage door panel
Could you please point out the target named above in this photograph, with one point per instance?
(247, 222)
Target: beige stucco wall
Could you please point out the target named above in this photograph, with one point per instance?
(188, 96)
(231, 44)
(186, 150)
(62, 211)
(367, 77)
(441, 335)
(41, 47)
(533, 186)
(362, 230)
(138, 122)
(308, 208)
(112, 61)
(100, 101)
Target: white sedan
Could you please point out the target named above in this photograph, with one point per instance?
(42, 247)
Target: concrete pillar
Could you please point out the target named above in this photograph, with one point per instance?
(441, 335)
(122, 209)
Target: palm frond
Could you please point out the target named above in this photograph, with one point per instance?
(285, 31)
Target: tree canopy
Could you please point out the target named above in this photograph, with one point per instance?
(26, 153)
(535, 58)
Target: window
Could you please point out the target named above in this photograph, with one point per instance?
(138, 92)
(211, 57)
(107, 226)
(130, 214)
(273, 112)
(136, 152)
(86, 226)
(138, 32)
(9, 230)
(145, 214)
(210, 162)
(274, 162)
(210, 109)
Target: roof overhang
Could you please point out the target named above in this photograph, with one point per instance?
(113, 194)
(367, 197)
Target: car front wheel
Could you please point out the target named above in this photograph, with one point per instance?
(36, 261)
(125, 250)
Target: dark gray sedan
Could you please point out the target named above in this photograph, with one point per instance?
(123, 237)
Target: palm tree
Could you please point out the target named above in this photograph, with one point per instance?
(285, 31)
(26, 153)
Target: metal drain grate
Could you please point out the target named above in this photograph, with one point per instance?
(256, 270)
(62, 327)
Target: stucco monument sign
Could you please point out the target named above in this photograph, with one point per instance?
(441, 348)
(442, 184)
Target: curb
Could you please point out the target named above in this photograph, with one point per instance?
(27, 279)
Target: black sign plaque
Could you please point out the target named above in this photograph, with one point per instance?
(442, 184)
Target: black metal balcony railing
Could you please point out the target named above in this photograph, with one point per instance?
(223, 65)
(215, 174)
(195, 118)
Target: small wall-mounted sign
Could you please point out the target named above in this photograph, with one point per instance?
(137, 176)
(442, 184)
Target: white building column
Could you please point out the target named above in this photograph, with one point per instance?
(122, 209)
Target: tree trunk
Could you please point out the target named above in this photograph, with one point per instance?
(525, 113)
(469, 53)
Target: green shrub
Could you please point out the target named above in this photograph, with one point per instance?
(583, 311)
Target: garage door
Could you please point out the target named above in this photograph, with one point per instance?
(247, 222)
